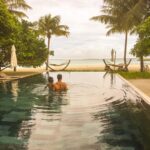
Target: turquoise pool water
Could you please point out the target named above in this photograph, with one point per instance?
(98, 112)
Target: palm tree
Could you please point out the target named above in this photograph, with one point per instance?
(141, 8)
(15, 7)
(120, 17)
(49, 26)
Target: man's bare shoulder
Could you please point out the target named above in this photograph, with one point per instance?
(65, 85)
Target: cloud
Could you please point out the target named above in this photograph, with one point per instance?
(87, 38)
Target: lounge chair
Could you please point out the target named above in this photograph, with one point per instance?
(120, 67)
(123, 67)
(107, 66)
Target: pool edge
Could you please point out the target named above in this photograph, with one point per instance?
(145, 97)
(22, 77)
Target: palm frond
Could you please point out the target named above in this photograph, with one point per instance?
(63, 27)
(19, 6)
(111, 31)
(61, 33)
(19, 14)
(49, 26)
(15, 7)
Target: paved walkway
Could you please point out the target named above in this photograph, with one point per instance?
(142, 84)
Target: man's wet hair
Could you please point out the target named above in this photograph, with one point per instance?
(59, 76)
(50, 79)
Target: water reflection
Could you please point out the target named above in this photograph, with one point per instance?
(4, 87)
(89, 116)
(15, 114)
(23, 107)
(14, 89)
(53, 101)
(47, 114)
(112, 78)
(124, 126)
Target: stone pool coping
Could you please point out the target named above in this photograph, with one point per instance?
(142, 94)
(11, 78)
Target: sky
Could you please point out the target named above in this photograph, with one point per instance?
(87, 39)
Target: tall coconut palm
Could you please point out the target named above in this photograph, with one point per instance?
(15, 7)
(49, 26)
(119, 17)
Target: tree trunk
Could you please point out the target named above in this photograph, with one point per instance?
(15, 69)
(141, 64)
(47, 63)
(125, 48)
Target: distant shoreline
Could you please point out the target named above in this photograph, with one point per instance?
(96, 61)
(71, 67)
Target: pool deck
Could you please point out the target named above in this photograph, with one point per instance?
(142, 84)
(21, 73)
(143, 90)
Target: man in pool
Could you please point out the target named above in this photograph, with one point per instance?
(59, 85)
(50, 84)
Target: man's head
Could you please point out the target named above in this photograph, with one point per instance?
(50, 79)
(59, 77)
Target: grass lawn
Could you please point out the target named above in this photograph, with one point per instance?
(135, 75)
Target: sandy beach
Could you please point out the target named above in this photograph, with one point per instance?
(78, 67)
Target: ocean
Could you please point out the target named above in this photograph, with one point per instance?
(93, 61)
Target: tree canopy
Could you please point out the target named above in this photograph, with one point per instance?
(8, 26)
(7, 22)
(31, 50)
(142, 47)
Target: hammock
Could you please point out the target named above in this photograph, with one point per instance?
(58, 65)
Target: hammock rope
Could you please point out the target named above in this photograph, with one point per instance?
(56, 65)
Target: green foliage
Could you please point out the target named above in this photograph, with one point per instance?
(52, 53)
(135, 75)
(144, 29)
(8, 27)
(142, 46)
(10, 140)
(7, 22)
(31, 50)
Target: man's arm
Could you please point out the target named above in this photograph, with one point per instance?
(65, 86)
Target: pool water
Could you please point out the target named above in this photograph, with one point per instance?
(98, 112)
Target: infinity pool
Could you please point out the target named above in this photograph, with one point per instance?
(98, 112)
